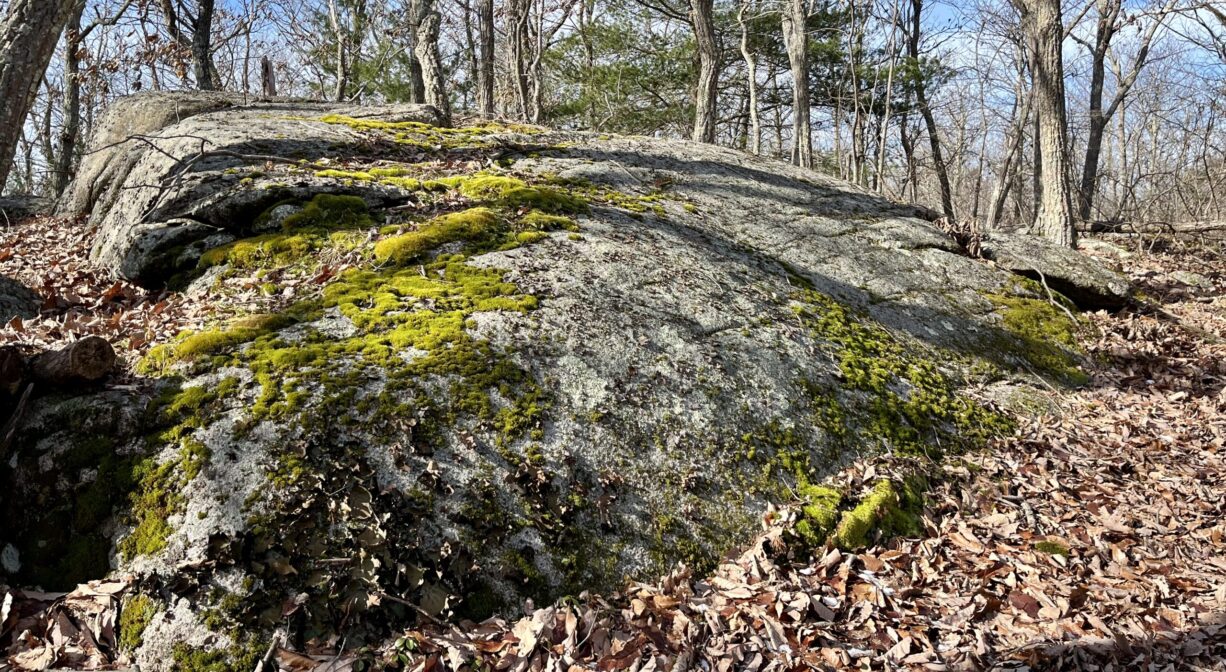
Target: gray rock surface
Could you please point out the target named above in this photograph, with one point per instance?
(17, 300)
(526, 420)
(1084, 281)
(150, 194)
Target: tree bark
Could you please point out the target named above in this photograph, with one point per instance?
(518, 38)
(751, 79)
(1042, 22)
(921, 99)
(88, 360)
(1107, 28)
(426, 49)
(702, 20)
(796, 40)
(71, 129)
(28, 36)
(485, 74)
(202, 48)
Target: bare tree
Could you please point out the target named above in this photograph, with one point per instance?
(751, 81)
(1108, 26)
(192, 27)
(796, 40)
(702, 18)
(28, 37)
(925, 110)
(70, 131)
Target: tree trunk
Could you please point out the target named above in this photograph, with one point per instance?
(431, 65)
(485, 74)
(796, 41)
(751, 79)
(1108, 14)
(71, 129)
(518, 38)
(1041, 20)
(28, 36)
(418, 9)
(703, 21)
(882, 142)
(202, 48)
(342, 53)
(921, 99)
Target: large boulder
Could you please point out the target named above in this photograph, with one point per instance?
(1078, 277)
(491, 363)
(163, 171)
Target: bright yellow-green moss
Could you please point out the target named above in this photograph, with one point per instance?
(157, 487)
(854, 526)
(514, 193)
(307, 231)
(540, 221)
(886, 509)
(158, 496)
(395, 176)
(134, 617)
(652, 202)
(819, 513)
(1047, 337)
(473, 225)
(431, 138)
(1051, 548)
(908, 403)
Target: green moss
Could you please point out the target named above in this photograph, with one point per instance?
(885, 509)
(541, 221)
(241, 657)
(819, 513)
(305, 232)
(907, 402)
(136, 613)
(514, 193)
(1052, 548)
(470, 226)
(431, 138)
(1046, 336)
(156, 491)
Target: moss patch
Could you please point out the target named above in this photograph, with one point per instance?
(1045, 335)
(819, 513)
(432, 138)
(905, 401)
(134, 617)
(321, 223)
(237, 658)
(1052, 548)
(471, 226)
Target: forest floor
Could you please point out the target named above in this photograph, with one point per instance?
(1094, 538)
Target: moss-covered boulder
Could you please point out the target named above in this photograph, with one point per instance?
(489, 363)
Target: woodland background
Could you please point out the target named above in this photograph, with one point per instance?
(922, 101)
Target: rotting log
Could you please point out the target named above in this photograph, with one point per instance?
(88, 360)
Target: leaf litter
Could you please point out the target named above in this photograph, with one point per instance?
(1091, 539)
